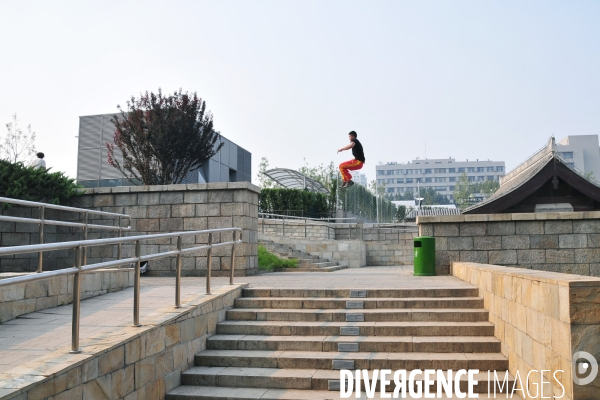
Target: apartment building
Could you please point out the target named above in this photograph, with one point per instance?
(439, 174)
(581, 152)
(359, 178)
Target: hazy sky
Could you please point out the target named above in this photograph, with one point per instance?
(289, 79)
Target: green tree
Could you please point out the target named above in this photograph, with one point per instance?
(163, 138)
(462, 191)
(486, 188)
(18, 146)
(264, 181)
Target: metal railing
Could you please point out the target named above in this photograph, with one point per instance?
(41, 221)
(79, 269)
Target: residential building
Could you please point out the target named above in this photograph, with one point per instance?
(439, 174)
(581, 152)
(231, 164)
(359, 178)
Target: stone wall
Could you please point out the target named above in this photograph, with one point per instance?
(139, 364)
(296, 229)
(389, 246)
(349, 253)
(154, 209)
(542, 319)
(24, 298)
(560, 242)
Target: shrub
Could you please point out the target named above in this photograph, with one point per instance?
(27, 183)
(268, 260)
(314, 205)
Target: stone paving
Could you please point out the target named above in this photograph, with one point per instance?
(37, 334)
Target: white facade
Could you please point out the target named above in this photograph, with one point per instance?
(359, 178)
(440, 174)
(581, 152)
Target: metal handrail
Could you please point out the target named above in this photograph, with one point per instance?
(41, 221)
(79, 245)
(314, 222)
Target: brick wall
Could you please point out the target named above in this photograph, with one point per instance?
(296, 229)
(154, 209)
(559, 242)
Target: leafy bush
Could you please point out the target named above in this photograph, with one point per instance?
(268, 260)
(314, 205)
(27, 183)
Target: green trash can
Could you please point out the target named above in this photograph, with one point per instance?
(424, 256)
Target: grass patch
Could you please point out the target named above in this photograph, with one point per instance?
(267, 260)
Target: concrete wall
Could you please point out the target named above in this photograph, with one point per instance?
(154, 209)
(559, 242)
(542, 319)
(389, 246)
(296, 229)
(140, 364)
(24, 298)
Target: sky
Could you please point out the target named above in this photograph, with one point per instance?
(288, 79)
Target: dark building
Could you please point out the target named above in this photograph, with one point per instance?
(544, 182)
(231, 164)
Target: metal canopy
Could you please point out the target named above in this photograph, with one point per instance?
(291, 179)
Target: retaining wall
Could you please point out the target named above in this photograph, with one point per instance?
(559, 242)
(154, 209)
(24, 298)
(542, 319)
(296, 229)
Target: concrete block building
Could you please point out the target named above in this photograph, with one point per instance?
(440, 174)
(581, 152)
(231, 164)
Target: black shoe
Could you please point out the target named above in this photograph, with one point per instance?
(349, 183)
(344, 185)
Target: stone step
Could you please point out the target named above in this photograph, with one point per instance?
(312, 260)
(403, 344)
(368, 293)
(371, 303)
(407, 328)
(231, 393)
(364, 315)
(345, 360)
(311, 269)
(308, 379)
(317, 264)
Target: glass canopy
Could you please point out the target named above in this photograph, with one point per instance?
(291, 179)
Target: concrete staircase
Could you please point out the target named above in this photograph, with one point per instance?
(291, 343)
(306, 262)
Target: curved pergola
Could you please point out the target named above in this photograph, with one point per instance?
(292, 179)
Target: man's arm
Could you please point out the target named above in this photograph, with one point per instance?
(351, 145)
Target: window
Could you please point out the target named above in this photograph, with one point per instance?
(427, 171)
(460, 170)
(567, 154)
(417, 171)
(409, 180)
(380, 181)
(380, 172)
(491, 178)
(399, 172)
(479, 169)
(452, 179)
(390, 172)
(426, 162)
(439, 171)
(441, 188)
(389, 181)
(480, 178)
(499, 169)
(471, 169)
(471, 179)
(439, 179)
(451, 188)
(390, 190)
(400, 180)
(427, 180)
(490, 169)
(400, 189)
(452, 170)
(438, 162)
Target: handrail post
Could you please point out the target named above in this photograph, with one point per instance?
(136, 285)
(85, 236)
(178, 275)
(119, 245)
(305, 228)
(283, 234)
(233, 258)
(76, 303)
(209, 262)
(41, 253)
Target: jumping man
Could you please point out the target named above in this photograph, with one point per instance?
(352, 165)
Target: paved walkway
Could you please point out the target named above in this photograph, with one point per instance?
(38, 334)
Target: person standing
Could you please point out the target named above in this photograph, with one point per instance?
(352, 165)
(39, 162)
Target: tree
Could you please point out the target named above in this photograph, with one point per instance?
(462, 191)
(18, 145)
(163, 138)
(264, 181)
(486, 188)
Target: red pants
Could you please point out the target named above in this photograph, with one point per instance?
(351, 165)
